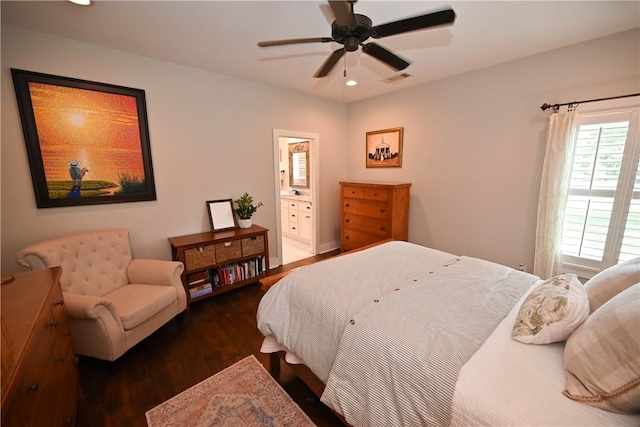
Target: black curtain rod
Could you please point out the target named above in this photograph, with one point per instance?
(555, 106)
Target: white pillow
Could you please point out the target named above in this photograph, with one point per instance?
(552, 311)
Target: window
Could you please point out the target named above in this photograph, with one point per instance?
(601, 224)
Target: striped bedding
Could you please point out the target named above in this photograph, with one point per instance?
(388, 329)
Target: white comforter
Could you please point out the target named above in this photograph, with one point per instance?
(418, 310)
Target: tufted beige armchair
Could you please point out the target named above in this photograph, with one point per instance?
(113, 301)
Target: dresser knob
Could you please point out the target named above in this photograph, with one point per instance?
(346, 220)
(66, 334)
(61, 359)
(347, 205)
(61, 302)
(383, 228)
(346, 237)
(33, 387)
(68, 421)
(53, 324)
(382, 211)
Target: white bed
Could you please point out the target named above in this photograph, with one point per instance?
(366, 334)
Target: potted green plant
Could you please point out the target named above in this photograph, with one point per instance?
(245, 210)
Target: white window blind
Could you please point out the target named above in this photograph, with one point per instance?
(602, 219)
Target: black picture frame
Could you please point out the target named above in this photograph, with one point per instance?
(221, 215)
(76, 129)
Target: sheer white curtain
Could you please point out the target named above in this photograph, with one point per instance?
(553, 194)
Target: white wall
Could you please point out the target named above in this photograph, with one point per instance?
(474, 143)
(211, 138)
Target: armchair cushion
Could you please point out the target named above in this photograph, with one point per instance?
(138, 303)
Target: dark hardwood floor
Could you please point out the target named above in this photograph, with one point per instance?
(212, 335)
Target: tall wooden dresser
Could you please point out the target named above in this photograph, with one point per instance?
(372, 212)
(39, 372)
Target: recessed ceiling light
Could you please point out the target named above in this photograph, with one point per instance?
(81, 2)
(351, 83)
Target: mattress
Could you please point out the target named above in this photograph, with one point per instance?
(508, 383)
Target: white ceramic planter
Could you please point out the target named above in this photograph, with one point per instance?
(244, 223)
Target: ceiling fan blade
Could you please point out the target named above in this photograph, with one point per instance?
(343, 12)
(385, 56)
(429, 20)
(329, 63)
(295, 41)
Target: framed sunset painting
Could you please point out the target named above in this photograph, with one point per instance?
(87, 142)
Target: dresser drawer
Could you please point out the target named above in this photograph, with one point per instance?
(49, 392)
(57, 304)
(353, 192)
(31, 379)
(366, 208)
(366, 224)
(354, 239)
(379, 194)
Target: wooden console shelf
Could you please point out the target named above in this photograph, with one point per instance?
(217, 262)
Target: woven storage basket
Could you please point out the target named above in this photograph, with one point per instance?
(252, 245)
(201, 257)
(228, 250)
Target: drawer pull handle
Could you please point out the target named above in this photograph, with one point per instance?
(346, 220)
(61, 359)
(375, 194)
(68, 421)
(382, 211)
(227, 244)
(293, 215)
(33, 387)
(307, 216)
(53, 324)
(383, 228)
(346, 237)
(347, 205)
(61, 302)
(66, 334)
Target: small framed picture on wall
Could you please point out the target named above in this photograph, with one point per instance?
(384, 148)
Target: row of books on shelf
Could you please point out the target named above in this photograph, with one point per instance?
(226, 275)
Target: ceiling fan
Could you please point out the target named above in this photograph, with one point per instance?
(352, 30)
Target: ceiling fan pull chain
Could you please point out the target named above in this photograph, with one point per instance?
(345, 66)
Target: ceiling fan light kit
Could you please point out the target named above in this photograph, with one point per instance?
(351, 30)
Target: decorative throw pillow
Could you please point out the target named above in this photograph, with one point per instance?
(552, 311)
(602, 357)
(611, 281)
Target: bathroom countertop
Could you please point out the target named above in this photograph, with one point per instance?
(294, 197)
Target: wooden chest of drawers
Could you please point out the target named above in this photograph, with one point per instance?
(372, 212)
(39, 371)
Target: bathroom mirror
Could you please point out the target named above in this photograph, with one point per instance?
(299, 165)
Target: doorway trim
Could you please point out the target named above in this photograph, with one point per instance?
(314, 142)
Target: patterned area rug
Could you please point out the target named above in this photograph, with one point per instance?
(244, 394)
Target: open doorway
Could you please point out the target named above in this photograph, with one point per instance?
(296, 163)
